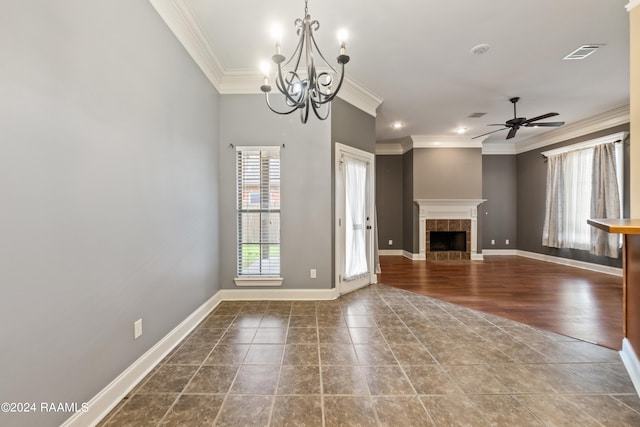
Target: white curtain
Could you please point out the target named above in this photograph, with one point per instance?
(581, 184)
(578, 173)
(554, 210)
(605, 200)
(355, 172)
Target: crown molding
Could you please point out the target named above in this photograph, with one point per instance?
(248, 81)
(443, 141)
(425, 141)
(359, 96)
(498, 148)
(632, 4)
(606, 120)
(389, 149)
(180, 20)
(240, 81)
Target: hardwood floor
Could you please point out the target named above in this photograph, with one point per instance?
(574, 302)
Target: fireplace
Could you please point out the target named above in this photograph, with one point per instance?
(445, 241)
(448, 239)
(459, 216)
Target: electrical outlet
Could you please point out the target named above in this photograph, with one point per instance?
(506, 241)
(390, 242)
(313, 274)
(493, 242)
(137, 329)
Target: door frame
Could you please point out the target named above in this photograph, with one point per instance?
(342, 286)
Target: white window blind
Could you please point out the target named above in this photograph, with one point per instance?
(258, 208)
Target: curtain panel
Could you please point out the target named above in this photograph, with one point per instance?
(605, 199)
(582, 184)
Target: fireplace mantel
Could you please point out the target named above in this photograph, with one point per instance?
(449, 209)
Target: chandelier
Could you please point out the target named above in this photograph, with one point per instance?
(309, 87)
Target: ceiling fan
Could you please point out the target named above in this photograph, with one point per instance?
(517, 122)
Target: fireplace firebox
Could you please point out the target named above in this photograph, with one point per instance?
(443, 241)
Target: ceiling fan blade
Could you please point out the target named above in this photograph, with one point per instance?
(542, 117)
(544, 124)
(489, 133)
(512, 132)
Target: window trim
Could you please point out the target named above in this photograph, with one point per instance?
(268, 281)
(257, 280)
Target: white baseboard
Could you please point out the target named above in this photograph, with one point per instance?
(614, 271)
(631, 362)
(491, 252)
(278, 294)
(414, 257)
(391, 252)
(572, 263)
(102, 403)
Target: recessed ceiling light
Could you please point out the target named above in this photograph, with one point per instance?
(461, 130)
(480, 49)
(397, 125)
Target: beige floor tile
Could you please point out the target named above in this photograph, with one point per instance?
(349, 411)
(375, 357)
(297, 411)
(245, 411)
(193, 410)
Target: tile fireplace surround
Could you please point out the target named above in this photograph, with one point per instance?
(448, 225)
(449, 215)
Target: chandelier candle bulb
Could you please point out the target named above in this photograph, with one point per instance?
(342, 39)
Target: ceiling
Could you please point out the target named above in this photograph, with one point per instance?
(415, 56)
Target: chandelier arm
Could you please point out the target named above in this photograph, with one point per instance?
(304, 113)
(283, 113)
(283, 88)
(316, 110)
(328, 98)
(313, 40)
(297, 53)
(335, 92)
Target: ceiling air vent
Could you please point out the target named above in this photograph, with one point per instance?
(583, 51)
(476, 115)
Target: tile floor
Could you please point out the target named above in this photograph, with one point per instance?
(378, 357)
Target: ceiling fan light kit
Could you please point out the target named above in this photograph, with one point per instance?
(306, 88)
(517, 122)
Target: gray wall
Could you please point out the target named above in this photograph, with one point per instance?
(352, 126)
(108, 187)
(499, 212)
(531, 196)
(389, 204)
(408, 207)
(306, 230)
(446, 173)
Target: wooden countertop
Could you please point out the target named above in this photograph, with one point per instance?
(620, 226)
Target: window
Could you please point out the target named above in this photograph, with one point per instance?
(258, 210)
(583, 181)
